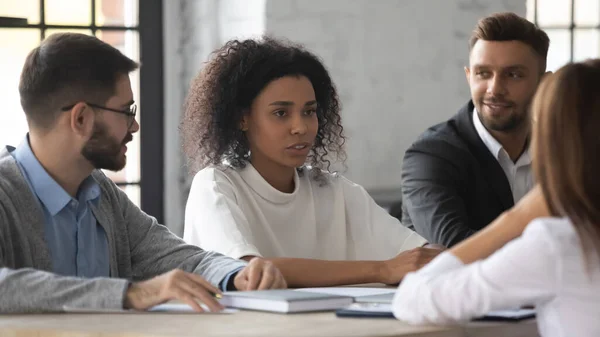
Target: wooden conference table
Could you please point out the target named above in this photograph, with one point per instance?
(242, 323)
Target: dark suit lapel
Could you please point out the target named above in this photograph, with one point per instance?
(493, 172)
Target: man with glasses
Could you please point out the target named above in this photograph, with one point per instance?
(69, 237)
(130, 111)
(105, 152)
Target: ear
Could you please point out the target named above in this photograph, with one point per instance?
(244, 122)
(81, 119)
(468, 75)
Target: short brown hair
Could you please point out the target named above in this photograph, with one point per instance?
(565, 146)
(68, 68)
(511, 27)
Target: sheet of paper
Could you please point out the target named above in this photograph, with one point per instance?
(161, 308)
(350, 291)
(184, 308)
(98, 311)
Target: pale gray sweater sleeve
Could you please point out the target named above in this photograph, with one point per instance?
(30, 290)
(156, 250)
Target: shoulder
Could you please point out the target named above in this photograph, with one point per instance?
(333, 188)
(218, 179)
(447, 139)
(348, 184)
(315, 176)
(439, 150)
(444, 146)
(553, 244)
(216, 174)
(324, 184)
(334, 181)
(10, 173)
(13, 184)
(439, 139)
(555, 238)
(551, 229)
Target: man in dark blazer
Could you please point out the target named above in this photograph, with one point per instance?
(461, 174)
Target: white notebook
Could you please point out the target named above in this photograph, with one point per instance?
(350, 291)
(284, 301)
(360, 294)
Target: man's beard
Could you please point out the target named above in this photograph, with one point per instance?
(103, 151)
(514, 121)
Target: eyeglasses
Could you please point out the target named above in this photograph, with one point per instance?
(130, 112)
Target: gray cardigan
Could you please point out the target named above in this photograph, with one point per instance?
(139, 249)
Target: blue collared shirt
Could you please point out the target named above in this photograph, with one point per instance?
(227, 283)
(78, 244)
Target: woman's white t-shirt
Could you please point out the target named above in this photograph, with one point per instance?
(236, 212)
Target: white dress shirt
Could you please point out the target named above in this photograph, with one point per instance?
(236, 212)
(519, 174)
(544, 267)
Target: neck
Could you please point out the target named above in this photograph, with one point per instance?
(66, 169)
(280, 177)
(513, 142)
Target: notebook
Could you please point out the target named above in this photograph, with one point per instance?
(513, 315)
(378, 310)
(360, 294)
(381, 298)
(355, 292)
(366, 310)
(283, 301)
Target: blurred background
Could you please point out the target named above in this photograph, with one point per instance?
(398, 66)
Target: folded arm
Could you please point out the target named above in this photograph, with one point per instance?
(447, 291)
(323, 273)
(505, 228)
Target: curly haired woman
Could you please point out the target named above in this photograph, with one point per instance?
(262, 123)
